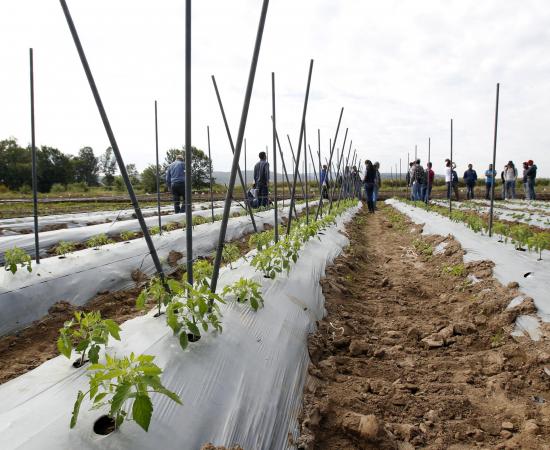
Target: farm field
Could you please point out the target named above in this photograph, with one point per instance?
(421, 346)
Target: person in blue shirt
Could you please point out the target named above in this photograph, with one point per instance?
(261, 179)
(490, 175)
(175, 181)
(470, 179)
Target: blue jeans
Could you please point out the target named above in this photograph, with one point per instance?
(531, 188)
(417, 191)
(510, 190)
(375, 194)
(470, 191)
(369, 190)
(423, 193)
(262, 196)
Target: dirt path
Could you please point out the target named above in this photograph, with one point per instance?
(415, 354)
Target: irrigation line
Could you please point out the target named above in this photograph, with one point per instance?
(299, 151)
(243, 183)
(33, 153)
(329, 162)
(113, 142)
(237, 154)
(491, 212)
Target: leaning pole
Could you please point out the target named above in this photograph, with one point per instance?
(33, 153)
(238, 146)
(494, 164)
(113, 142)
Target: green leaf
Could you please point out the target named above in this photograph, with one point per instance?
(100, 397)
(121, 395)
(113, 328)
(184, 340)
(64, 345)
(254, 304)
(141, 299)
(76, 408)
(193, 328)
(82, 345)
(142, 410)
(93, 354)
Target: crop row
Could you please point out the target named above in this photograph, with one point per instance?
(124, 384)
(521, 235)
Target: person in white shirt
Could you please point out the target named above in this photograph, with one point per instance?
(448, 177)
(510, 177)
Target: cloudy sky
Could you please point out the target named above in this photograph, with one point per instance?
(401, 69)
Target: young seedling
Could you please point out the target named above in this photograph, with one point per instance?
(64, 247)
(87, 332)
(128, 235)
(539, 242)
(154, 230)
(262, 240)
(457, 270)
(230, 253)
(198, 310)
(245, 290)
(171, 226)
(124, 386)
(15, 256)
(98, 241)
(157, 291)
(199, 220)
(502, 230)
(520, 235)
(202, 271)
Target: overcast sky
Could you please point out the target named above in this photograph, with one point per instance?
(401, 69)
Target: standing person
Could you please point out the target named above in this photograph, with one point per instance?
(490, 175)
(455, 182)
(448, 177)
(429, 182)
(408, 178)
(510, 177)
(470, 179)
(356, 182)
(261, 179)
(524, 180)
(347, 186)
(503, 183)
(377, 184)
(417, 179)
(369, 180)
(175, 182)
(323, 178)
(531, 178)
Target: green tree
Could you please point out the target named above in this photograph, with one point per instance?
(86, 166)
(15, 164)
(133, 174)
(52, 166)
(149, 179)
(200, 171)
(108, 165)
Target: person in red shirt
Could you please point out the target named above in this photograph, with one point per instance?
(430, 182)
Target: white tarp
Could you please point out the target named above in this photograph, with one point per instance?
(80, 276)
(48, 239)
(82, 219)
(510, 264)
(243, 386)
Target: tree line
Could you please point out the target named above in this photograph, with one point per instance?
(57, 171)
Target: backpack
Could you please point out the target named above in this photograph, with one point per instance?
(455, 177)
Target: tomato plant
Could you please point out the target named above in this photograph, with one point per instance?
(87, 332)
(15, 256)
(154, 230)
(261, 241)
(520, 235)
(202, 271)
(157, 291)
(539, 242)
(230, 253)
(197, 310)
(124, 385)
(128, 235)
(64, 247)
(98, 241)
(245, 290)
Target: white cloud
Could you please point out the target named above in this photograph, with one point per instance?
(401, 69)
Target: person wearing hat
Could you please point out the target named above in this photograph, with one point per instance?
(531, 177)
(175, 181)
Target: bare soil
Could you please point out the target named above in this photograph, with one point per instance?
(414, 354)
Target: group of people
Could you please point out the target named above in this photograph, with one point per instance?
(420, 180)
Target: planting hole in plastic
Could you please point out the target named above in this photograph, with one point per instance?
(192, 338)
(528, 274)
(520, 249)
(79, 363)
(104, 425)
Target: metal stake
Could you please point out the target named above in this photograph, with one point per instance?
(298, 152)
(210, 170)
(274, 126)
(157, 161)
(294, 161)
(451, 186)
(237, 154)
(33, 153)
(305, 173)
(494, 163)
(188, 152)
(113, 143)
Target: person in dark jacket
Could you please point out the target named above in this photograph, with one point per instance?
(261, 179)
(175, 182)
(470, 179)
(369, 180)
(531, 177)
(524, 180)
(324, 181)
